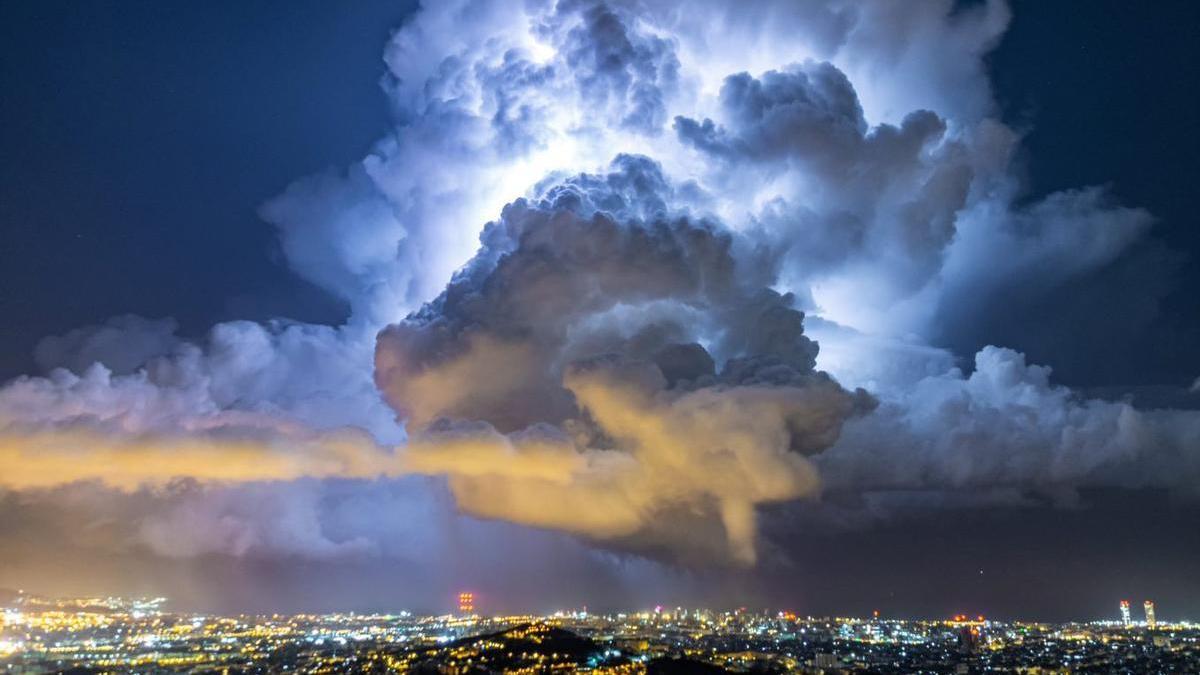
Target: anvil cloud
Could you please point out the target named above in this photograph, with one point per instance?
(628, 271)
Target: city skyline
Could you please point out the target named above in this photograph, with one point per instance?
(462, 605)
(504, 306)
(472, 603)
(61, 634)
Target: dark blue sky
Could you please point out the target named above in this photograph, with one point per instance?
(140, 137)
(1109, 94)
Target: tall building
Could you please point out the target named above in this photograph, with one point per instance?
(466, 603)
(1125, 619)
(1149, 607)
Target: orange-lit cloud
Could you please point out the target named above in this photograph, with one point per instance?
(718, 451)
(47, 458)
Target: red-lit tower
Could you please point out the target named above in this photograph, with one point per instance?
(466, 603)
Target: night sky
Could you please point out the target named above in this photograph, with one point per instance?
(202, 168)
(140, 139)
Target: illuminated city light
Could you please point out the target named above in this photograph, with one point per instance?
(70, 633)
(466, 603)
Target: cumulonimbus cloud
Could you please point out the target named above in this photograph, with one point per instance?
(588, 249)
(540, 376)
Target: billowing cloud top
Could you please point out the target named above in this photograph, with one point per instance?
(581, 269)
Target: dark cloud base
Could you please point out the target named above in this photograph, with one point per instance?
(1038, 562)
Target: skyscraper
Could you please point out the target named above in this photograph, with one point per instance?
(1125, 613)
(466, 603)
(1149, 607)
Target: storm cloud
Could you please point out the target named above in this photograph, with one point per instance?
(617, 282)
(562, 333)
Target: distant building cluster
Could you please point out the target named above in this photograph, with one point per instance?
(122, 635)
(1147, 607)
